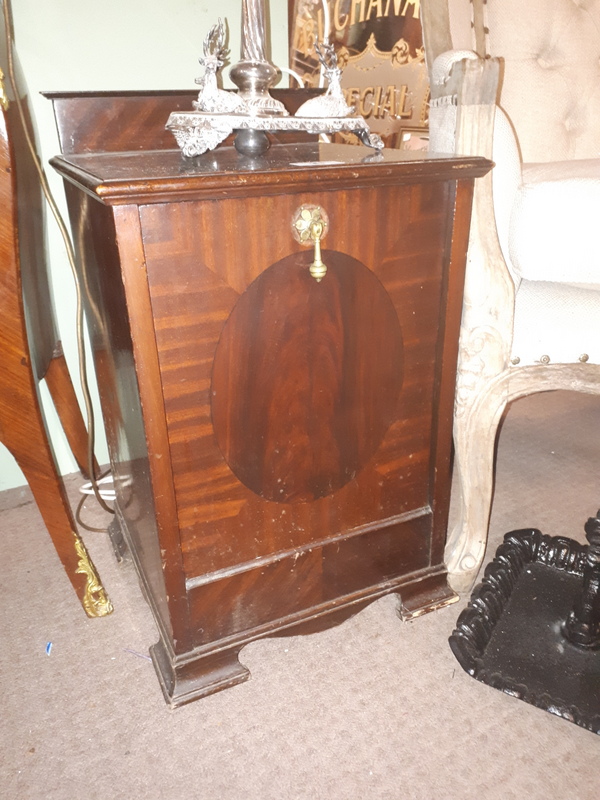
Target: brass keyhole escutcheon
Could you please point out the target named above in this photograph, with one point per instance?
(309, 226)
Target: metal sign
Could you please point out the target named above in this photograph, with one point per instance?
(380, 47)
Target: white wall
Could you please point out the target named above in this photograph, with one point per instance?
(113, 44)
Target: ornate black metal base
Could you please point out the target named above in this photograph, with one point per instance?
(512, 634)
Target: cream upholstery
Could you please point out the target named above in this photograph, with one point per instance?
(519, 82)
(555, 198)
(551, 78)
(556, 323)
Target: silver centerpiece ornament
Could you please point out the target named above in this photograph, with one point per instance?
(253, 112)
(254, 74)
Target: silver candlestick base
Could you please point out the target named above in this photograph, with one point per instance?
(197, 132)
(252, 112)
(254, 79)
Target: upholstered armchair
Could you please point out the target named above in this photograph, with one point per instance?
(520, 83)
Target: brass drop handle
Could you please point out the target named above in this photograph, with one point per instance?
(309, 225)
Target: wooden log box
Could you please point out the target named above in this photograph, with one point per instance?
(280, 445)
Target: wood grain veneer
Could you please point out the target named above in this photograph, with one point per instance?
(30, 349)
(281, 446)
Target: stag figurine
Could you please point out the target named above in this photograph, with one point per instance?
(212, 99)
(332, 103)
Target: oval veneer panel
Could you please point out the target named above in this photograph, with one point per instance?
(306, 378)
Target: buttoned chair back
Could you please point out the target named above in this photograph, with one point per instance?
(520, 83)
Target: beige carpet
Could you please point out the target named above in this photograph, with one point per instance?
(373, 709)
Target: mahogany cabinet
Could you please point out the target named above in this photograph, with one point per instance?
(280, 445)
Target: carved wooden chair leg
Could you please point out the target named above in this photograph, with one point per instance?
(58, 380)
(474, 440)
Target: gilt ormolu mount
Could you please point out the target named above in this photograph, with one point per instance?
(532, 627)
(253, 112)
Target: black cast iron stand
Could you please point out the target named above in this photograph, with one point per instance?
(532, 626)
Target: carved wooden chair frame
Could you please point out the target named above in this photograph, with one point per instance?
(486, 381)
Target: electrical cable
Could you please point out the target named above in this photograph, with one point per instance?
(108, 494)
(80, 521)
(294, 75)
(83, 375)
(86, 490)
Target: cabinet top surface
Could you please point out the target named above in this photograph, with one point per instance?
(160, 175)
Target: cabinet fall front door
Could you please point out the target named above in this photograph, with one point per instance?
(281, 444)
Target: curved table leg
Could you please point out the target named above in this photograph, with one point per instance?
(60, 386)
(23, 432)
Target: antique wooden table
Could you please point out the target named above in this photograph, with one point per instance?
(280, 445)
